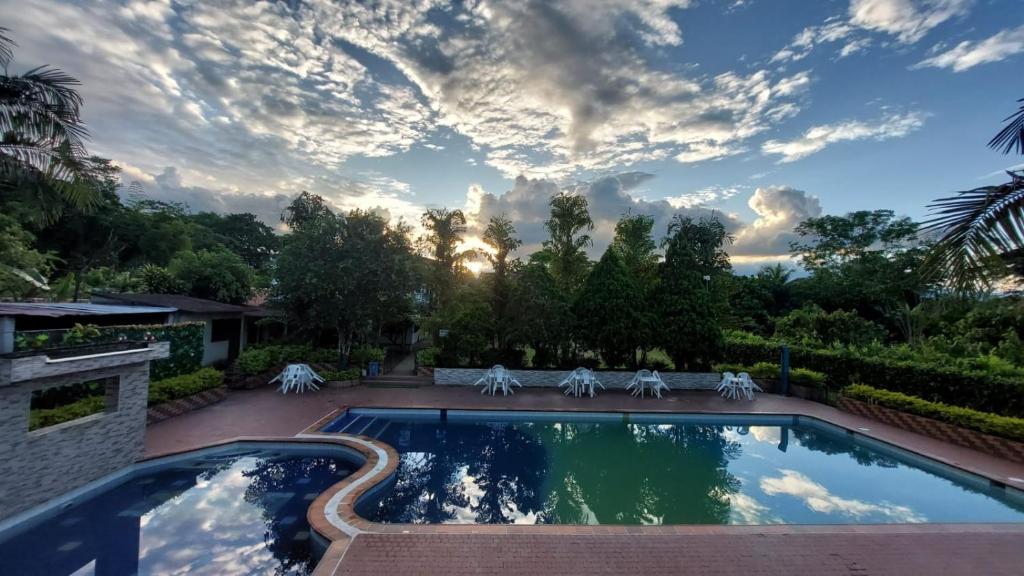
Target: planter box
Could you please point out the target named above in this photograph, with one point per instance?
(180, 406)
(994, 445)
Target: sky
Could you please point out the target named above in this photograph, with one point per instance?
(763, 112)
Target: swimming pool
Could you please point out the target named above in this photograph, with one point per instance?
(466, 467)
(236, 509)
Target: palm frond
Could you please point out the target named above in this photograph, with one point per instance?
(976, 227)
(1012, 135)
(6, 48)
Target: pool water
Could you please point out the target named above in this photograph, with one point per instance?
(650, 469)
(241, 511)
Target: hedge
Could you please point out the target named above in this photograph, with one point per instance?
(257, 360)
(185, 385)
(935, 383)
(341, 375)
(768, 370)
(1004, 426)
(159, 392)
(186, 343)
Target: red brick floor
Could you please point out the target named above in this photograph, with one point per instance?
(705, 555)
(943, 549)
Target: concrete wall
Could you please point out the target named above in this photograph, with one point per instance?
(612, 380)
(38, 465)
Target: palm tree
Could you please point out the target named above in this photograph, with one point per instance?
(980, 229)
(42, 137)
(569, 221)
(445, 230)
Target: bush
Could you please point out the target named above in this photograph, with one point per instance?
(428, 356)
(259, 359)
(341, 375)
(75, 410)
(974, 389)
(769, 371)
(169, 389)
(361, 356)
(1004, 426)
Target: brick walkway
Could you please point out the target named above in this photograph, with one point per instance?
(748, 555)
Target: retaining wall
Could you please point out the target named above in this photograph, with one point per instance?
(612, 380)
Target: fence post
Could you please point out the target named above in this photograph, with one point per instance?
(784, 377)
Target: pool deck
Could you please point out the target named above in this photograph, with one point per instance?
(708, 550)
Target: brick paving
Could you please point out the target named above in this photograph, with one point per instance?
(706, 555)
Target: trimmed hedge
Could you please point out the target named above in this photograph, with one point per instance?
(185, 385)
(1004, 426)
(257, 360)
(159, 392)
(770, 371)
(971, 389)
(341, 375)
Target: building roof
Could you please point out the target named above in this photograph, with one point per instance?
(177, 301)
(59, 309)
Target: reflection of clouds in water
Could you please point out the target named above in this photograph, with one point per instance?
(768, 434)
(468, 514)
(744, 509)
(818, 498)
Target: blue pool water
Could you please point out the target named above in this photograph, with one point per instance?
(562, 468)
(240, 510)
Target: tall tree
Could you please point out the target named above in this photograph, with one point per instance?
(607, 316)
(634, 242)
(42, 138)
(691, 293)
(981, 231)
(567, 242)
(445, 230)
(500, 235)
(212, 274)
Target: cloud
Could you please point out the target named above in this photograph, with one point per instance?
(818, 138)
(609, 198)
(779, 209)
(818, 498)
(968, 54)
(908, 20)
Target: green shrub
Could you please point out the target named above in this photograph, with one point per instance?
(75, 410)
(994, 424)
(259, 359)
(428, 356)
(769, 371)
(974, 389)
(361, 356)
(170, 389)
(341, 375)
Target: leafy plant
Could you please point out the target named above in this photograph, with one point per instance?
(1005, 426)
(341, 375)
(428, 356)
(81, 334)
(361, 356)
(169, 389)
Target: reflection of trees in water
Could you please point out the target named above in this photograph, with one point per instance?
(275, 488)
(832, 445)
(506, 466)
(638, 474)
(561, 473)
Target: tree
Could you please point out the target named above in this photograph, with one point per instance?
(812, 325)
(690, 296)
(444, 233)
(607, 316)
(23, 269)
(212, 274)
(500, 235)
(245, 235)
(981, 231)
(567, 241)
(831, 241)
(756, 301)
(540, 313)
(42, 150)
(635, 245)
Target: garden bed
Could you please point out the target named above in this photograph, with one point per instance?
(994, 445)
(180, 406)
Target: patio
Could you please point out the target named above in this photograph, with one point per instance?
(469, 549)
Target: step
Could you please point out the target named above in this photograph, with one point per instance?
(377, 428)
(355, 424)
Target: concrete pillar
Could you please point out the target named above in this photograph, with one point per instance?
(6, 334)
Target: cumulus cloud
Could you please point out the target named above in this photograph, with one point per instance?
(818, 498)
(907, 20)
(817, 138)
(609, 198)
(968, 54)
(779, 209)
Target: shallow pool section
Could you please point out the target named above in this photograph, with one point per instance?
(464, 467)
(240, 509)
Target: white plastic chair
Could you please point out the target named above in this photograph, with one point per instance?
(579, 381)
(747, 386)
(644, 379)
(298, 377)
(497, 377)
